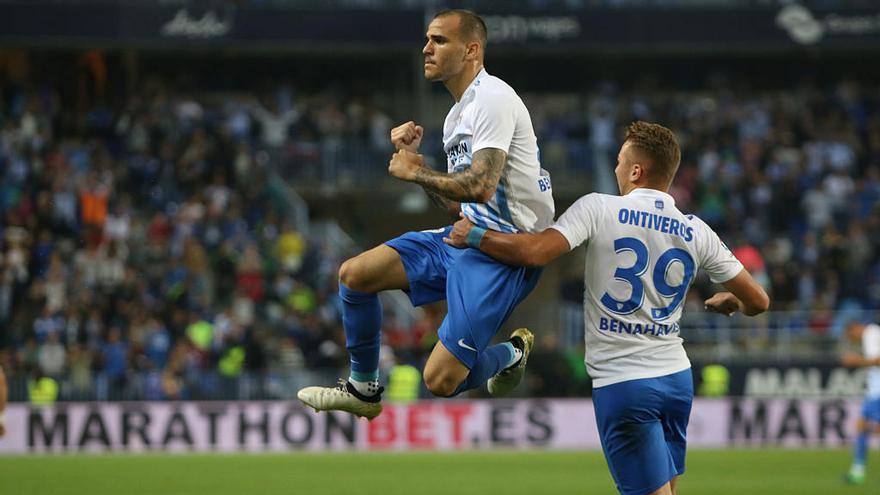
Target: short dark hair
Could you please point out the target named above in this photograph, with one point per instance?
(473, 27)
(658, 145)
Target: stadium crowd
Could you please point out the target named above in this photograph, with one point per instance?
(145, 255)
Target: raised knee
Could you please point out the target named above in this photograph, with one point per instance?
(440, 384)
(351, 275)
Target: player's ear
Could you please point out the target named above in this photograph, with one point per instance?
(636, 172)
(473, 51)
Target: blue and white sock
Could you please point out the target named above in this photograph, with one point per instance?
(861, 452)
(362, 320)
(365, 383)
(494, 359)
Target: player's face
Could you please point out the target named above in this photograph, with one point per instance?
(444, 50)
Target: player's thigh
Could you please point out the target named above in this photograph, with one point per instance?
(426, 260)
(444, 371)
(678, 389)
(629, 418)
(375, 270)
(480, 295)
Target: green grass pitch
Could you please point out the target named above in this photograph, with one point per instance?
(722, 472)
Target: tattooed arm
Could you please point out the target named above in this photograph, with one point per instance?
(452, 207)
(476, 184)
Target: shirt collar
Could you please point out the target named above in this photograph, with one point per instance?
(651, 193)
(475, 82)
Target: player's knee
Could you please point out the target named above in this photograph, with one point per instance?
(351, 275)
(440, 384)
(664, 490)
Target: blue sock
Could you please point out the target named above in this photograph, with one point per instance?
(494, 359)
(861, 453)
(362, 319)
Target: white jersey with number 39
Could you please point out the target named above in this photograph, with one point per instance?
(642, 255)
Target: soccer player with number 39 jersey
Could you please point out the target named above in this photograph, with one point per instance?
(493, 178)
(642, 255)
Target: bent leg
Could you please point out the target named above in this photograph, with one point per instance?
(481, 294)
(373, 271)
(444, 372)
(446, 375)
(361, 278)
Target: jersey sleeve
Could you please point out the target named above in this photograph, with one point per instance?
(494, 121)
(715, 256)
(871, 342)
(578, 223)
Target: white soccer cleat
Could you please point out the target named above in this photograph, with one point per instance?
(507, 379)
(342, 397)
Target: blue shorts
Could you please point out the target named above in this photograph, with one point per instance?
(480, 292)
(871, 409)
(643, 429)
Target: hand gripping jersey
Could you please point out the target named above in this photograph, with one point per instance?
(642, 255)
(491, 115)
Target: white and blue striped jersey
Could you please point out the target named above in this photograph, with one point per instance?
(871, 350)
(642, 255)
(491, 115)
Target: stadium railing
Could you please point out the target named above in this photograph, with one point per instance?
(776, 338)
(781, 336)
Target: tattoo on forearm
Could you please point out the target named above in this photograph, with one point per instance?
(468, 185)
(443, 203)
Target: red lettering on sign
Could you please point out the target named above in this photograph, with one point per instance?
(420, 433)
(382, 432)
(456, 414)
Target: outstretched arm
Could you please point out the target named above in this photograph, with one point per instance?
(745, 295)
(856, 360)
(476, 184)
(512, 249)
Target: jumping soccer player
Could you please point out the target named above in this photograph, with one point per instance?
(495, 180)
(868, 336)
(642, 254)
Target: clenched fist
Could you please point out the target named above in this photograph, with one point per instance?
(407, 137)
(404, 164)
(723, 303)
